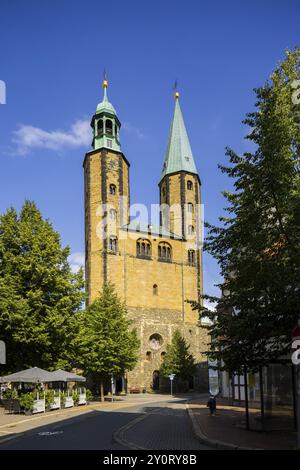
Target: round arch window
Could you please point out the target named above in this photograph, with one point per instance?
(155, 341)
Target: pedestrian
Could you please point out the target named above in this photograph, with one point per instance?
(212, 405)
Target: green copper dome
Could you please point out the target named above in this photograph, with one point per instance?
(105, 106)
(179, 156)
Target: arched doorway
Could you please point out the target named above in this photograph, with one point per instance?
(155, 380)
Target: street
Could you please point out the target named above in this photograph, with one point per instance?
(151, 422)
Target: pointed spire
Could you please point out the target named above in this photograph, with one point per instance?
(179, 156)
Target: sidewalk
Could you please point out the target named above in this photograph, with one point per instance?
(226, 430)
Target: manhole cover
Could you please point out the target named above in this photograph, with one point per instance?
(49, 433)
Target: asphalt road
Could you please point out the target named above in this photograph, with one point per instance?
(158, 425)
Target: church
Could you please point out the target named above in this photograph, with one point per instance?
(155, 269)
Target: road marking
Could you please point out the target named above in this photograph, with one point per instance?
(49, 433)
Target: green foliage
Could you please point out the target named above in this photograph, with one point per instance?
(178, 359)
(26, 401)
(89, 395)
(62, 399)
(106, 344)
(49, 398)
(39, 295)
(75, 396)
(10, 394)
(258, 243)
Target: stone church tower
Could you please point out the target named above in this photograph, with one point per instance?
(155, 269)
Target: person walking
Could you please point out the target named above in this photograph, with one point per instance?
(212, 405)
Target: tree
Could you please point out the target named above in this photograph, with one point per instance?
(178, 359)
(106, 343)
(258, 244)
(39, 295)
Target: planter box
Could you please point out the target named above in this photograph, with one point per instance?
(38, 406)
(56, 404)
(82, 399)
(69, 402)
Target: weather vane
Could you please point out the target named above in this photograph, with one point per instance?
(176, 93)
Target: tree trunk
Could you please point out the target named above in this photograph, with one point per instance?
(101, 390)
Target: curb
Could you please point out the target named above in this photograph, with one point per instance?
(212, 442)
(119, 435)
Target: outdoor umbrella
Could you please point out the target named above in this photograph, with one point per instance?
(64, 376)
(32, 375)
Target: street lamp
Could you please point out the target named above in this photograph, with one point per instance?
(171, 377)
(112, 387)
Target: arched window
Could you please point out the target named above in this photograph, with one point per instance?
(112, 189)
(148, 356)
(155, 341)
(113, 243)
(108, 127)
(164, 252)
(190, 207)
(190, 185)
(162, 356)
(113, 214)
(191, 229)
(191, 257)
(100, 127)
(155, 289)
(143, 248)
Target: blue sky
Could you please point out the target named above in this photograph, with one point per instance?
(52, 58)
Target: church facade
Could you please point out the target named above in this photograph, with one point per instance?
(155, 269)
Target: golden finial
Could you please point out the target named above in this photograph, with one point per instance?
(105, 81)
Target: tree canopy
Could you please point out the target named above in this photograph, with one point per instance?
(107, 344)
(257, 244)
(39, 294)
(178, 360)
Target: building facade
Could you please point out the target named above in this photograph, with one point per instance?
(155, 269)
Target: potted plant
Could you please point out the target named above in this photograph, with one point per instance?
(10, 394)
(89, 396)
(49, 399)
(62, 399)
(75, 397)
(26, 402)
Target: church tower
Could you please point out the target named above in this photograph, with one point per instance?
(106, 178)
(155, 268)
(179, 187)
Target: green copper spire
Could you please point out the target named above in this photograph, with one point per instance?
(179, 155)
(106, 125)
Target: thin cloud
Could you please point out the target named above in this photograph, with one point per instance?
(76, 261)
(132, 130)
(27, 138)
